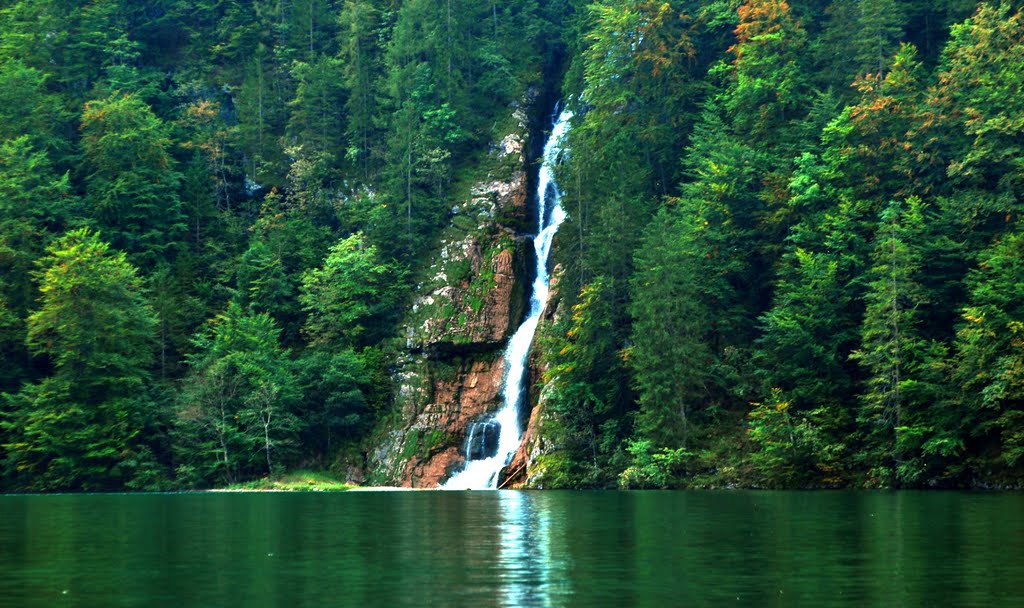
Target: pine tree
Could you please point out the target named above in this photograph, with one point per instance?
(812, 325)
(28, 109)
(978, 104)
(990, 361)
(904, 371)
(34, 202)
(586, 387)
(11, 334)
(335, 409)
(670, 357)
(316, 125)
(349, 298)
(860, 37)
(769, 85)
(263, 285)
(80, 427)
(132, 181)
(359, 22)
(872, 149)
(262, 116)
(879, 26)
(638, 82)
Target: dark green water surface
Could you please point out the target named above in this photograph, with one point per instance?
(513, 549)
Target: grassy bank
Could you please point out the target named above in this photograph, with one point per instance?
(295, 481)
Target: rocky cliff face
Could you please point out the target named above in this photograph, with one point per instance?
(469, 302)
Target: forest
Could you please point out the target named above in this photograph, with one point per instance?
(793, 256)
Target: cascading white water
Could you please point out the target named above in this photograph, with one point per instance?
(483, 473)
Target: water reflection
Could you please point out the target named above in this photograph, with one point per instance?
(530, 574)
(484, 549)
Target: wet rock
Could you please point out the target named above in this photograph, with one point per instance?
(482, 439)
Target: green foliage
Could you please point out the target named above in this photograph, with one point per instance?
(860, 37)
(790, 449)
(768, 84)
(8, 332)
(223, 147)
(92, 320)
(904, 370)
(744, 226)
(87, 425)
(34, 202)
(990, 356)
(650, 469)
(315, 121)
(132, 184)
(359, 24)
(637, 72)
(806, 332)
(982, 94)
(670, 360)
(295, 481)
(335, 406)
(880, 23)
(235, 414)
(585, 384)
(260, 100)
(264, 285)
(350, 298)
(28, 110)
(782, 213)
(872, 150)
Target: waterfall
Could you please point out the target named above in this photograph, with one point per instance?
(483, 459)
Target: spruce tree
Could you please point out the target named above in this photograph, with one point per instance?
(670, 357)
(904, 370)
(236, 413)
(89, 424)
(132, 183)
(990, 361)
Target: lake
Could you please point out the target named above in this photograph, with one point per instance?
(513, 549)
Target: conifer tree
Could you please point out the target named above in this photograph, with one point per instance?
(359, 21)
(80, 427)
(770, 85)
(990, 358)
(28, 109)
(670, 356)
(349, 297)
(34, 202)
(904, 370)
(586, 389)
(979, 103)
(132, 184)
(316, 126)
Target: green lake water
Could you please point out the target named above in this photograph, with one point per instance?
(514, 549)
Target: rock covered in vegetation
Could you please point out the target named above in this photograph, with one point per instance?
(468, 304)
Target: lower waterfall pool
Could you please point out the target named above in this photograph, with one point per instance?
(509, 548)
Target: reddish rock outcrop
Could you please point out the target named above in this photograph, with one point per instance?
(473, 392)
(428, 473)
(481, 305)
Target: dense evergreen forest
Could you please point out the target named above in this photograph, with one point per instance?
(794, 255)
